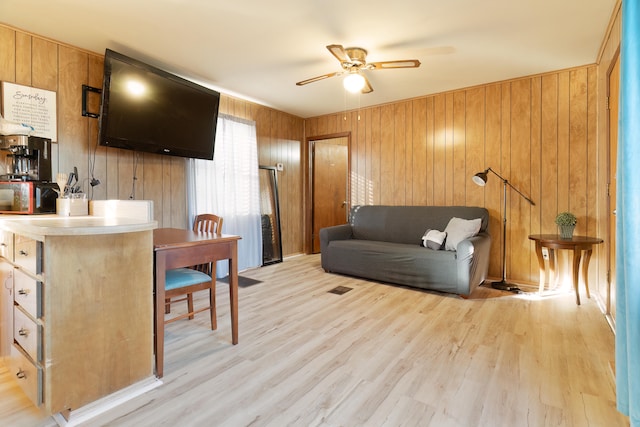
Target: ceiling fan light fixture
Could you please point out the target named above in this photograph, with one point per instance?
(354, 82)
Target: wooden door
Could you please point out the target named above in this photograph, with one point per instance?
(614, 89)
(330, 172)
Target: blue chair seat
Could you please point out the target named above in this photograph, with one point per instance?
(181, 277)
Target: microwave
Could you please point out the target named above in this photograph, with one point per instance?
(28, 197)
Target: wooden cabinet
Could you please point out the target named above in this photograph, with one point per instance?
(82, 325)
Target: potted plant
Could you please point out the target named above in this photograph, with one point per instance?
(566, 222)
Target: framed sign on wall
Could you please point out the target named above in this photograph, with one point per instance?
(31, 106)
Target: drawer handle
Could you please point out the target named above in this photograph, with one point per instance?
(23, 332)
(21, 374)
(23, 252)
(23, 291)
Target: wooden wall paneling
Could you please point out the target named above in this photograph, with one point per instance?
(366, 167)
(178, 200)
(493, 190)
(520, 167)
(548, 200)
(449, 138)
(563, 141)
(474, 145)
(387, 155)
(263, 134)
(429, 147)
(593, 187)
(504, 169)
(44, 64)
(129, 173)
(399, 158)
(409, 153)
(153, 174)
(536, 168)
(439, 150)
(73, 132)
(8, 56)
(459, 148)
(563, 155)
(23, 58)
(96, 165)
(376, 161)
(578, 147)
(418, 181)
(362, 156)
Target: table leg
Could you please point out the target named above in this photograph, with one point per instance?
(576, 269)
(553, 271)
(233, 292)
(541, 266)
(585, 270)
(158, 323)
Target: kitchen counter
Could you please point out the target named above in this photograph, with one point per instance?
(40, 226)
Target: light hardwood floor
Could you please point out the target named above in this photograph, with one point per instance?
(379, 355)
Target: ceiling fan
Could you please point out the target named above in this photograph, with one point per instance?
(354, 61)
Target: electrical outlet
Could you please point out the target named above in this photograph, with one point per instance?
(545, 253)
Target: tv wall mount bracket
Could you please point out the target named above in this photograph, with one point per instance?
(85, 90)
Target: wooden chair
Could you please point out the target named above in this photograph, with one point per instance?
(183, 282)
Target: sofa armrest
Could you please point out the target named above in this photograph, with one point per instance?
(473, 262)
(336, 232)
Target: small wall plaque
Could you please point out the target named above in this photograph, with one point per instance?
(32, 106)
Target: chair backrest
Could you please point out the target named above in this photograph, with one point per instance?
(208, 223)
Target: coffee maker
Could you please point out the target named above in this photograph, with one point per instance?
(25, 175)
(25, 158)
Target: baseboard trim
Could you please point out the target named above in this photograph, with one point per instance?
(100, 406)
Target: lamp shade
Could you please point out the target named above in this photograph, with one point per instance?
(480, 178)
(354, 82)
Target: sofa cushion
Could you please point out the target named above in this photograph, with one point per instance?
(459, 229)
(434, 239)
(407, 224)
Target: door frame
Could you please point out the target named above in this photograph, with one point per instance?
(308, 184)
(610, 208)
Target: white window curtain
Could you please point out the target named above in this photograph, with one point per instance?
(229, 187)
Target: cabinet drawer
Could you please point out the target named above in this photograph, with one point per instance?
(28, 375)
(6, 245)
(28, 254)
(28, 334)
(28, 293)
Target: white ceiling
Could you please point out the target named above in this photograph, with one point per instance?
(259, 49)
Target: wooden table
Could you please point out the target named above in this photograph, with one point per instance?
(174, 248)
(577, 244)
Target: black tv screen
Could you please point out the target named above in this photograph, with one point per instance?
(147, 109)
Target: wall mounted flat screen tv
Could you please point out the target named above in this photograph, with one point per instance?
(147, 109)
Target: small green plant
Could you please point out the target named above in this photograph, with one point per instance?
(566, 218)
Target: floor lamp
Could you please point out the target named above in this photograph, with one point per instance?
(481, 179)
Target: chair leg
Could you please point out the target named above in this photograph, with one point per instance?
(167, 305)
(212, 299)
(190, 305)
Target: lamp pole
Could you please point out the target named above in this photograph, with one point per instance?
(481, 179)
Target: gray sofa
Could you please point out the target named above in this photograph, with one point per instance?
(384, 243)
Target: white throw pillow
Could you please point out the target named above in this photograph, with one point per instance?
(459, 229)
(434, 239)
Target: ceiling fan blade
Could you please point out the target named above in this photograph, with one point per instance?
(315, 79)
(338, 51)
(406, 63)
(367, 86)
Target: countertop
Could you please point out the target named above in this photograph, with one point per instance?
(40, 226)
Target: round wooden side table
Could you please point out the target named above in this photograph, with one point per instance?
(578, 244)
